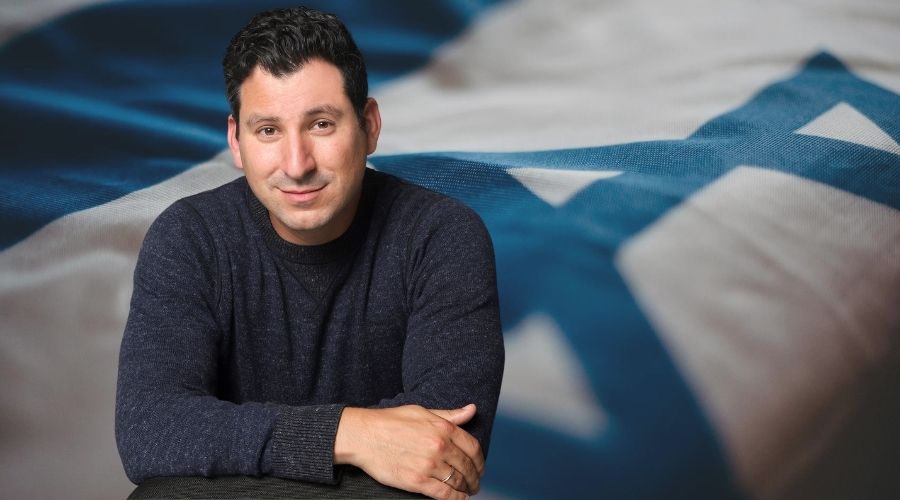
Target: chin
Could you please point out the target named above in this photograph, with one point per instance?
(306, 224)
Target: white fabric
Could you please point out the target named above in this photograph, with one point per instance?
(781, 360)
(536, 75)
(844, 123)
(537, 355)
(556, 187)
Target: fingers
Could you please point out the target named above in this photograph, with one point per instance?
(412, 448)
(467, 477)
(437, 489)
(461, 438)
(457, 481)
(464, 453)
(453, 446)
(450, 476)
(457, 416)
(471, 447)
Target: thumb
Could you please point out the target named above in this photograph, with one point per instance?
(457, 416)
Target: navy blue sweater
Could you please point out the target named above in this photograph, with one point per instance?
(241, 349)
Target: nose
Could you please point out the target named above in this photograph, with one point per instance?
(299, 159)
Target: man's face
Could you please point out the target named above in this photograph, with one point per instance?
(302, 149)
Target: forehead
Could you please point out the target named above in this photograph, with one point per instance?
(316, 84)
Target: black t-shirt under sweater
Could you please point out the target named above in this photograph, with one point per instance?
(241, 349)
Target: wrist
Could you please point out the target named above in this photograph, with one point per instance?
(347, 438)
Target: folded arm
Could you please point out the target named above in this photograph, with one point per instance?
(169, 418)
(453, 357)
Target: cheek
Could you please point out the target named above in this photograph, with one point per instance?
(259, 161)
(334, 157)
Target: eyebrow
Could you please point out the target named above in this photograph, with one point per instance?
(254, 118)
(326, 109)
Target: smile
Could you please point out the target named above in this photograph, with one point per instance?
(301, 196)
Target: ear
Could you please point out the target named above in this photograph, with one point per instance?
(373, 125)
(233, 144)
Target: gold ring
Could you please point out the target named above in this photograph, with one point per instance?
(452, 471)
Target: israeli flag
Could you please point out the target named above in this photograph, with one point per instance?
(695, 208)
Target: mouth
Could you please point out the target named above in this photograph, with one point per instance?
(301, 196)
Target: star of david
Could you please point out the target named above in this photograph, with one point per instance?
(572, 327)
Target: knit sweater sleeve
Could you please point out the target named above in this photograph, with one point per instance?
(453, 354)
(169, 421)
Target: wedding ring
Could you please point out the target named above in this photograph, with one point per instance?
(452, 471)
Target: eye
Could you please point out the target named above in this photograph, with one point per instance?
(267, 132)
(321, 125)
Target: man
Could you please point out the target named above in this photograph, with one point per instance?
(314, 313)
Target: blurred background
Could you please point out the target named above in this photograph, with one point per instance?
(695, 208)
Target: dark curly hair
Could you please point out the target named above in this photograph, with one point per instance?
(281, 41)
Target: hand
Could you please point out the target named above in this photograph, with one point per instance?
(413, 449)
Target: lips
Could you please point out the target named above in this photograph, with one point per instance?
(301, 196)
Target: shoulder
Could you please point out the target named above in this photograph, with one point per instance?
(212, 208)
(224, 200)
(195, 223)
(420, 208)
(432, 228)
